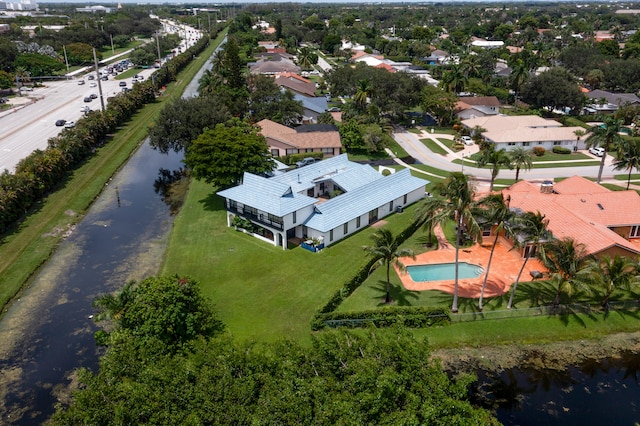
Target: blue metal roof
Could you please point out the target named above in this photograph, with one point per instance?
(317, 104)
(267, 195)
(358, 202)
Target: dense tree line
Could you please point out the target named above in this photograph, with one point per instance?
(42, 170)
(168, 361)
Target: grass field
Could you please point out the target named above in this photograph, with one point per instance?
(30, 245)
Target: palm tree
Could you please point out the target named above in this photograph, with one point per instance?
(425, 215)
(112, 307)
(209, 82)
(564, 258)
(519, 75)
(455, 79)
(363, 92)
(628, 157)
(530, 230)
(305, 58)
(520, 159)
(579, 133)
(457, 203)
(385, 252)
(496, 159)
(606, 137)
(610, 274)
(497, 214)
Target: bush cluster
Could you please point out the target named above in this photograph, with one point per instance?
(539, 151)
(407, 316)
(294, 158)
(43, 170)
(561, 150)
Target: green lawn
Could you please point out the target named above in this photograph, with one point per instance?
(260, 291)
(433, 146)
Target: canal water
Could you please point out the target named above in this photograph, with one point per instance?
(48, 333)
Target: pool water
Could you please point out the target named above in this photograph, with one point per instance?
(443, 271)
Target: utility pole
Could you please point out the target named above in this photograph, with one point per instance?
(158, 44)
(95, 60)
(113, 52)
(18, 84)
(66, 61)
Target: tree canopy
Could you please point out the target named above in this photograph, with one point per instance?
(220, 156)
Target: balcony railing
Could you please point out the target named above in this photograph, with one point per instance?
(259, 218)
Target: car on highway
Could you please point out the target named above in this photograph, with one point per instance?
(87, 99)
(70, 124)
(93, 96)
(85, 109)
(123, 84)
(26, 89)
(104, 78)
(60, 123)
(93, 85)
(597, 151)
(467, 140)
(91, 77)
(80, 82)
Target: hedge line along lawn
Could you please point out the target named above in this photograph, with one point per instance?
(30, 245)
(260, 291)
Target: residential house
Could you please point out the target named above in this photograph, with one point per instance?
(486, 44)
(476, 106)
(437, 57)
(606, 222)
(283, 140)
(296, 84)
(273, 64)
(325, 201)
(312, 107)
(526, 131)
(603, 102)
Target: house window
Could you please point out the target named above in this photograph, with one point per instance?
(358, 222)
(511, 143)
(526, 143)
(486, 231)
(391, 206)
(331, 235)
(291, 151)
(233, 205)
(274, 219)
(373, 215)
(252, 211)
(346, 228)
(327, 150)
(295, 217)
(404, 199)
(635, 231)
(555, 143)
(308, 150)
(275, 152)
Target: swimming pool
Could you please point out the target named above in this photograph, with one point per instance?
(443, 271)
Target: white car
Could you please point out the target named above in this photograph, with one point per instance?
(26, 89)
(597, 151)
(93, 85)
(467, 140)
(70, 124)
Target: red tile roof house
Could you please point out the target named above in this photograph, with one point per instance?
(605, 221)
(296, 84)
(283, 140)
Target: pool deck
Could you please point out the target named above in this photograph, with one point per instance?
(503, 272)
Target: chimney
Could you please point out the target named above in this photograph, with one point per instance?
(546, 187)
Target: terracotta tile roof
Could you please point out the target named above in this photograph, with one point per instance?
(386, 67)
(301, 140)
(480, 100)
(583, 210)
(297, 86)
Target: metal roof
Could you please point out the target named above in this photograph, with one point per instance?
(348, 206)
(267, 195)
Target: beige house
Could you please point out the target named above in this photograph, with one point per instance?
(283, 140)
(525, 131)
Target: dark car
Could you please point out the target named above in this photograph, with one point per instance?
(60, 123)
(91, 77)
(123, 84)
(104, 78)
(87, 99)
(93, 96)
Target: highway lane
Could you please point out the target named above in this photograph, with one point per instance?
(30, 127)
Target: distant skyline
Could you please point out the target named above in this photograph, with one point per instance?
(161, 2)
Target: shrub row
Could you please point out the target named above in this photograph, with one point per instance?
(407, 316)
(43, 170)
(363, 318)
(561, 150)
(293, 158)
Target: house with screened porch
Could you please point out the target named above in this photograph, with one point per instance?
(324, 202)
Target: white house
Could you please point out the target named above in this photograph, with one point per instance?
(325, 201)
(526, 131)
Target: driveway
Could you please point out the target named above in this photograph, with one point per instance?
(410, 142)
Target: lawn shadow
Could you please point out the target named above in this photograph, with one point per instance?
(212, 202)
(399, 295)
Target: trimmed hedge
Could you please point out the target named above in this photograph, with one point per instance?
(406, 316)
(41, 171)
(416, 316)
(560, 150)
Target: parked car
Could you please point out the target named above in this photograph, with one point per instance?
(597, 151)
(26, 89)
(305, 162)
(80, 82)
(334, 109)
(70, 124)
(467, 140)
(60, 123)
(3, 100)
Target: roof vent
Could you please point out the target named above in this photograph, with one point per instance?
(600, 206)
